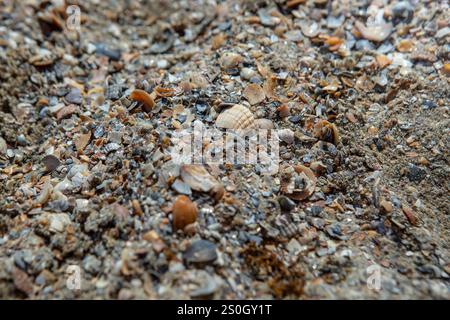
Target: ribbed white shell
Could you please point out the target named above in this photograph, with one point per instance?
(238, 118)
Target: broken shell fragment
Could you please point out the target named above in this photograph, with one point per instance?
(237, 118)
(82, 141)
(310, 29)
(218, 191)
(230, 60)
(198, 178)
(286, 135)
(45, 194)
(376, 33)
(298, 182)
(264, 124)
(326, 131)
(405, 45)
(184, 212)
(254, 94)
(446, 69)
(284, 111)
(3, 146)
(144, 98)
(383, 61)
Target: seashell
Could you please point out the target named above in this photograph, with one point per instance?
(230, 60)
(218, 191)
(198, 178)
(284, 111)
(184, 212)
(333, 43)
(383, 61)
(82, 141)
(164, 92)
(45, 194)
(291, 4)
(287, 229)
(264, 124)
(286, 135)
(405, 45)
(376, 33)
(318, 167)
(144, 98)
(41, 61)
(326, 131)
(3, 146)
(254, 94)
(110, 147)
(409, 214)
(66, 112)
(310, 29)
(218, 40)
(298, 182)
(238, 118)
(137, 209)
(446, 69)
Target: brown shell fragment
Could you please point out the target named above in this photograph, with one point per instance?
(237, 118)
(254, 94)
(40, 61)
(164, 92)
(294, 3)
(298, 182)
(326, 131)
(409, 214)
(82, 141)
(383, 61)
(184, 212)
(446, 69)
(218, 191)
(66, 112)
(143, 97)
(284, 111)
(218, 40)
(198, 178)
(230, 60)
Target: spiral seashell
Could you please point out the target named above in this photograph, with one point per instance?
(238, 118)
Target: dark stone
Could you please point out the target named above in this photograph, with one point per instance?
(415, 173)
(113, 54)
(51, 162)
(74, 96)
(286, 204)
(429, 104)
(295, 119)
(201, 251)
(316, 211)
